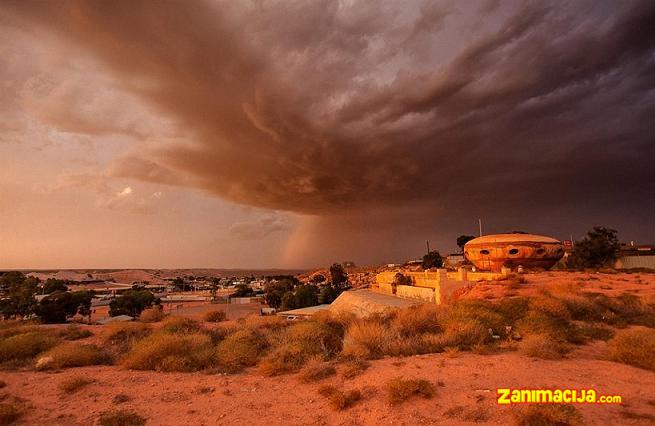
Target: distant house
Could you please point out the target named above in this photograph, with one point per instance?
(636, 256)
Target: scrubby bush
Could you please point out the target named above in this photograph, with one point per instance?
(171, 352)
(214, 316)
(542, 346)
(635, 347)
(240, 350)
(75, 332)
(316, 370)
(174, 324)
(367, 339)
(9, 413)
(154, 314)
(73, 384)
(121, 418)
(354, 368)
(70, 354)
(340, 400)
(547, 414)
(399, 390)
(121, 336)
(23, 347)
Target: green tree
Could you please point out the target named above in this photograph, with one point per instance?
(462, 240)
(598, 249)
(52, 285)
(242, 290)
(288, 301)
(432, 260)
(327, 294)
(131, 302)
(337, 275)
(275, 290)
(306, 295)
(19, 291)
(59, 306)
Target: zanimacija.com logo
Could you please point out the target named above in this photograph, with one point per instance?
(508, 396)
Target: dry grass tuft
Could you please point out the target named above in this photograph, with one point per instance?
(73, 384)
(171, 352)
(121, 336)
(635, 347)
(354, 368)
(542, 346)
(367, 339)
(548, 415)
(153, 314)
(240, 350)
(400, 390)
(121, 418)
(340, 400)
(121, 398)
(69, 354)
(299, 343)
(214, 316)
(316, 370)
(10, 413)
(180, 325)
(23, 347)
(75, 332)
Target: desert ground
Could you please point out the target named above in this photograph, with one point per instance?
(465, 383)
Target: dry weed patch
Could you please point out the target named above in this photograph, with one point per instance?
(214, 316)
(548, 415)
(240, 350)
(73, 384)
(154, 314)
(70, 354)
(635, 347)
(316, 370)
(340, 400)
(121, 418)
(171, 352)
(23, 347)
(400, 390)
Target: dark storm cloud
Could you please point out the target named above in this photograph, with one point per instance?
(318, 107)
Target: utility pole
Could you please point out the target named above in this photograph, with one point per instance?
(480, 223)
(427, 243)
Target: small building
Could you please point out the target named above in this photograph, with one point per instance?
(636, 256)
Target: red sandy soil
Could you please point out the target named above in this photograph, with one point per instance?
(466, 385)
(608, 284)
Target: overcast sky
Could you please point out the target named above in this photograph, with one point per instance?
(298, 133)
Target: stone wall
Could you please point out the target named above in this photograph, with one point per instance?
(419, 293)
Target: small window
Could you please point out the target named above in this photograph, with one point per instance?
(484, 251)
(514, 251)
(541, 251)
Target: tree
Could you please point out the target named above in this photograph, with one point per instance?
(52, 285)
(131, 302)
(327, 294)
(338, 275)
(317, 279)
(598, 249)
(19, 291)
(288, 301)
(60, 306)
(463, 239)
(306, 295)
(242, 290)
(179, 284)
(432, 260)
(274, 291)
